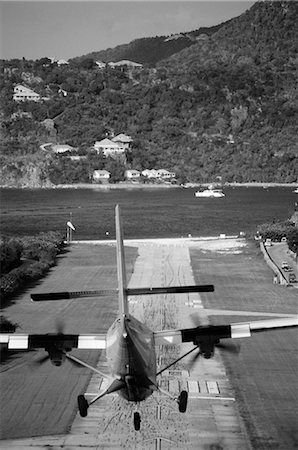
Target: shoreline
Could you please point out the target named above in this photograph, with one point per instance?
(133, 186)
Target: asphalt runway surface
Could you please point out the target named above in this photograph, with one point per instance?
(42, 401)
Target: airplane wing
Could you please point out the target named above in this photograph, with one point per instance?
(211, 334)
(18, 341)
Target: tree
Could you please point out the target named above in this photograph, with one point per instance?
(292, 240)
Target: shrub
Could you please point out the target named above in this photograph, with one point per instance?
(292, 240)
(10, 254)
(275, 230)
(41, 250)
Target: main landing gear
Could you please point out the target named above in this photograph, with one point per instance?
(83, 405)
(137, 421)
(182, 405)
(182, 401)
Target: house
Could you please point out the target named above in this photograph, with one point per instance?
(62, 148)
(125, 62)
(123, 140)
(100, 64)
(161, 173)
(132, 174)
(22, 94)
(150, 173)
(78, 157)
(109, 147)
(101, 175)
(62, 62)
(62, 92)
(165, 174)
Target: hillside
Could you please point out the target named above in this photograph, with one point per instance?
(223, 108)
(149, 51)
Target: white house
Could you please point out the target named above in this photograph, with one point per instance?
(125, 62)
(22, 93)
(100, 64)
(150, 173)
(132, 174)
(62, 62)
(101, 175)
(122, 139)
(162, 173)
(109, 147)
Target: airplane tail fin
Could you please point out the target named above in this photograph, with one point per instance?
(121, 271)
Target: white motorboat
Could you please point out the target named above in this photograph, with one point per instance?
(296, 191)
(210, 193)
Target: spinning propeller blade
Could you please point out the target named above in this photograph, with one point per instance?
(229, 347)
(40, 361)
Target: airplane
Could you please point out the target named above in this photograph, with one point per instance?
(130, 344)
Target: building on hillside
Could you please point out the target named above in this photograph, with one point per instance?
(122, 139)
(21, 115)
(132, 174)
(109, 147)
(101, 176)
(62, 92)
(62, 62)
(158, 174)
(62, 148)
(150, 173)
(78, 157)
(125, 62)
(22, 94)
(165, 174)
(100, 64)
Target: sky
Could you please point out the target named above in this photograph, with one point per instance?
(66, 29)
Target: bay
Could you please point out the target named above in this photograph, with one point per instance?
(147, 213)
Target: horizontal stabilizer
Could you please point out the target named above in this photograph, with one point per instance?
(71, 295)
(171, 289)
(67, 295)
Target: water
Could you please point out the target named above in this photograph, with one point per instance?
(148, 213)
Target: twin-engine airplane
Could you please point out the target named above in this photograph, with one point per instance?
(130, 344)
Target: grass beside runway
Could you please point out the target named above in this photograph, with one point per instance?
(264, 374)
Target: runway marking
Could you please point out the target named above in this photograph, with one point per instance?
(212, 387)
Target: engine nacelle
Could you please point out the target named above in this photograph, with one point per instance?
(56, 355)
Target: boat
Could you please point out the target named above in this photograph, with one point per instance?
(296, 190)
(210, 193)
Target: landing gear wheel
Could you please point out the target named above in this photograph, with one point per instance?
(137, 420)
(83, 406)
(182, 401)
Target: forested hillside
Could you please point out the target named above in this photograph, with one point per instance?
(149, 51)
(224, 107)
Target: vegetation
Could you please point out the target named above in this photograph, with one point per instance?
(278, 230)
(26, 259)
(6, 326)
(223, 105)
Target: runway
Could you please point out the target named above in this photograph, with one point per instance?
(207, 423)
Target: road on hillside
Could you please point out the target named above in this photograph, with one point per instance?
(279, 253)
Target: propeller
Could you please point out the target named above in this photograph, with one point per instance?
(60, 326)
(229, 347)
(193, 359)
(59, 353)
(40, 361)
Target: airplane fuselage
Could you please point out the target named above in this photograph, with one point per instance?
(131, 357)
